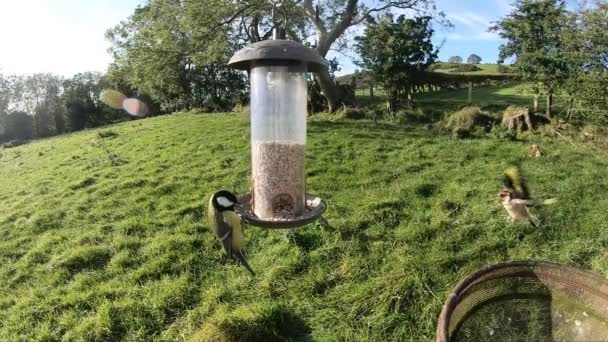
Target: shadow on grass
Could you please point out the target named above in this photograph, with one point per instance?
(268, 323)
(372, 130)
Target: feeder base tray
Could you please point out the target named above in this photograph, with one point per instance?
(313, 211)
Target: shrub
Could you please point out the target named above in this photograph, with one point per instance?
(14, 143)
(503, 69)
(501, 133)
(351, 113)
(466, 68)
(418, 115)
(467, 118)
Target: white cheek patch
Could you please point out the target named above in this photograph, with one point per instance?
(224, 202)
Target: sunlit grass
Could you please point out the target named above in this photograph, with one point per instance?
(103, 233)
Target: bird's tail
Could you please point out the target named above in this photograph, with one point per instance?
(534, 221)
(241, 259)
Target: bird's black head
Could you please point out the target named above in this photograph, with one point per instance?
(224, 200)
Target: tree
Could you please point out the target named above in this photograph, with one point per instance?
(82, 101)
(532, 32)
(18, 126)
(175, 52)
(394, 52)
(585, 40)
(455, 59)
(162, 39)
(474, 59)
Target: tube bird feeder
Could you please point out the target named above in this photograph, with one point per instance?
(278, 103)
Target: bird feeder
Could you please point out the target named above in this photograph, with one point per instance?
(278, 103)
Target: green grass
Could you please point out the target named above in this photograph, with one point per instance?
(103, 235)
(498, 97)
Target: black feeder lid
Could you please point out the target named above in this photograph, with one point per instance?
(279, 52)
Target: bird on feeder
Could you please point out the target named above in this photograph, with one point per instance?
(226, 225)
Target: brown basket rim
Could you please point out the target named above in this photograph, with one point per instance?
(452, 300)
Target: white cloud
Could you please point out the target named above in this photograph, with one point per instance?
(471, 26)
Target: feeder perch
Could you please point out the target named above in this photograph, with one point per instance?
(278, 103)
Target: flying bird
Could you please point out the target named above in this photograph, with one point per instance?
(226, 225)
(515, 196)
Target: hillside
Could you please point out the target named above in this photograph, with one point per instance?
(486, 69)
(103, 235)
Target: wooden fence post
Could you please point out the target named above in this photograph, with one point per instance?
(470, 100)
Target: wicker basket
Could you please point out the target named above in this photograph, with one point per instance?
(526, 301)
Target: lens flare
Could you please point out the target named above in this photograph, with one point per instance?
(135, 107)
(113, 98)
(118, 100)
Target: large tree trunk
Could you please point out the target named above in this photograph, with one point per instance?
(329, 90)
(549, 104)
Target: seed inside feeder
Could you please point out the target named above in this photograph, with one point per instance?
(279, 185)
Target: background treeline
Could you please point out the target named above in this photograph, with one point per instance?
(44, 105)
(555, 51)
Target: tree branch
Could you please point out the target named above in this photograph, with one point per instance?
(350, 12)
(314, 16)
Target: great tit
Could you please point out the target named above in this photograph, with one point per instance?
(226, 225)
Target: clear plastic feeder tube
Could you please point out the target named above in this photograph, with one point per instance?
(278, 139)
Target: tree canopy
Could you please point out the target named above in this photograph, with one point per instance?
(163, 48)
(533, 38)
(455, 59)
(394, 51)
(474, 59)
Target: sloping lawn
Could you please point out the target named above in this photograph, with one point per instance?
(103, 235)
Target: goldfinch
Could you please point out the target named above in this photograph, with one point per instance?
(515, 196)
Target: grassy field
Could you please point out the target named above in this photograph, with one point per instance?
(498, 97)
(103, 235)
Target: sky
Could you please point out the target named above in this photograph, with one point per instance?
(67, 36)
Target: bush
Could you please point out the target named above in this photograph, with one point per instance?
(418, 115)
(443, 66)
(14, 143)
(501, 133)
(466, 68)
(351, 113)
(503, 69)
(467, 118)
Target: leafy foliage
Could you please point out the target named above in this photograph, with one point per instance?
(466, 68)
(474, 59)
(176, 54)
(586, 44)
(395, 52)
(455, 59)
(533, 32)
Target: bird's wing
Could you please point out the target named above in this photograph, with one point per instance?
(224, 234)
(233, 220)
(514, 179)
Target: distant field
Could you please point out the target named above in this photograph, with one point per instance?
(487, 69)
(103, 233)
(498, 96)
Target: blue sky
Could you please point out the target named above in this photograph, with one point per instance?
(67, 36)
(471, 19)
